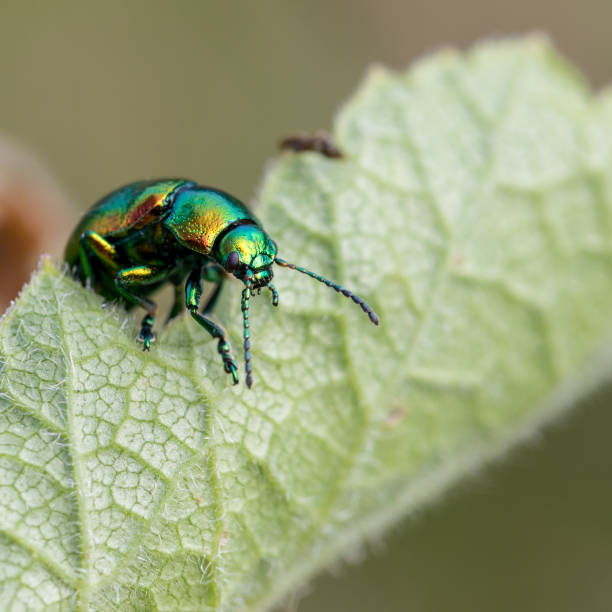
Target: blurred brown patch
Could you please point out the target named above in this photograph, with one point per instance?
(395, 416)
(34, 218)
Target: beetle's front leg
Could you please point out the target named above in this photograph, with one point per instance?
(138, 276)
(193, 293)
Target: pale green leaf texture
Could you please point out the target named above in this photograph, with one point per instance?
(473, 210)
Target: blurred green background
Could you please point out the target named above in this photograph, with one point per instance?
(108, 92)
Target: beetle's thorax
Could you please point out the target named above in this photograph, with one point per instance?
(198, 216)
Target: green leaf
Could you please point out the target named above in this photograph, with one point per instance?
(473, 210)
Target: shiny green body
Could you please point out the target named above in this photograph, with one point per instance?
(150, 233)
(170, 224)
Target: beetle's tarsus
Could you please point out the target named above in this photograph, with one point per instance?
(229, 363)
(274, 293)
(232, 370)
(147, 335)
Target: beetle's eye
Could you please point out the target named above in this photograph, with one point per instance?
(233, 259)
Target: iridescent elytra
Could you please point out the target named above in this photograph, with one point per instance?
(149, 233)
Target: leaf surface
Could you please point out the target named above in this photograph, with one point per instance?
(473, 211)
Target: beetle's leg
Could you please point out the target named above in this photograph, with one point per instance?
(101, 248)
(211, 273)
(139, 276)
(193, 293)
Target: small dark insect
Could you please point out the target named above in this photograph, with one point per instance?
(320, 142)
(150, 233)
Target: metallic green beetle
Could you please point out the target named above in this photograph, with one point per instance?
(149, 233)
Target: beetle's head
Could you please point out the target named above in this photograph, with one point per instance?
(248, 253)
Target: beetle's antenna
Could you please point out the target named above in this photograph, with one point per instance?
(246, 294)
(274, 292)
(345, 292)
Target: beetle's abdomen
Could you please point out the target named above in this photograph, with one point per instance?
(129, 208)
(200, 214)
